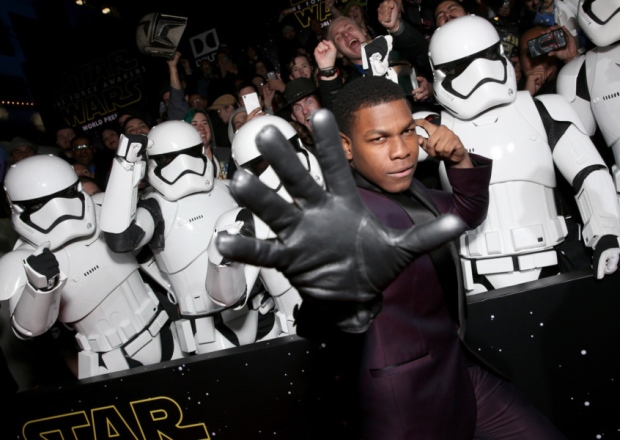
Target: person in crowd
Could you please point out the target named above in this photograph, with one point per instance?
(20, 148)
(554, 222)
(302, 97)
(134, 124)
(263, 67)
(98, 163)
(199, 119)
(224, 106)
(220, 112)
(448, 10)
(415, 377)
(117, 319)
(346, 40)
(301, 65)
(260, 81)
(63, 136)
(198, 101)
(110, 136)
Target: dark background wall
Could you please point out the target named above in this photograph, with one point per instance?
(42, 40)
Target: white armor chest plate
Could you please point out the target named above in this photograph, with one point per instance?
(522, 216)
(603, 72)
(189, 224)
(93, 272)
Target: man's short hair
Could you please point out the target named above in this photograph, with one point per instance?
(368, 91)
(330, 36)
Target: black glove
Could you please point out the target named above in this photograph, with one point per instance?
(42, 269)
(330, 246)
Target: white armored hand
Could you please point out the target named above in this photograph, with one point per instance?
(131, 147)
(606, 256)
(376, 57)
(329, 245)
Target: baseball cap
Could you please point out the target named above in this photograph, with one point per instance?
(223, 101)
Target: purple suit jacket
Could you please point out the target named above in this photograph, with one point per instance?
(414, 381)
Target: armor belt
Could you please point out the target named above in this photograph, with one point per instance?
(515, 263)
(131, 347)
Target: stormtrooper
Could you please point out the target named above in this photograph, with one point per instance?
(525, 137)
(241, 221)
(176, 216)
(591, 81)
(62, 270)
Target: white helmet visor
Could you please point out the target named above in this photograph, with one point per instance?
(172, 166)
(46, 213)
(465, 75)
(601, 11)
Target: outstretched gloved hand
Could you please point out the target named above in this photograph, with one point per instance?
(329, 245)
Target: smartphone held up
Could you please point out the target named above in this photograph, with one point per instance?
(546, 43)
(251, 102)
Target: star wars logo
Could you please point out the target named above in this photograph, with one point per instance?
(306, 10)
(91, 93)
(155, 418)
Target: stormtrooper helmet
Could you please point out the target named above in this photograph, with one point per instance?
(177, 165)
(160, 34)
(47, 202)
(246, 155)
(471, 72)
(600, 20)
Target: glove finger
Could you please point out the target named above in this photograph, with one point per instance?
(248, 250)
(428, 236)
(338, 177)
(277, 150)
(250, 192)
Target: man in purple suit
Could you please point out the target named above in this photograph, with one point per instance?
(372, 262)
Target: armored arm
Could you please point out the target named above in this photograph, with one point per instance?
(37, 308)
(581, 164)
(229, 282)
(126, 225)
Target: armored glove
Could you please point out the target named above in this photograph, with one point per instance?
(376, 57)
(606, 256)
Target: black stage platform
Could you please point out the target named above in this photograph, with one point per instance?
(558, 339)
